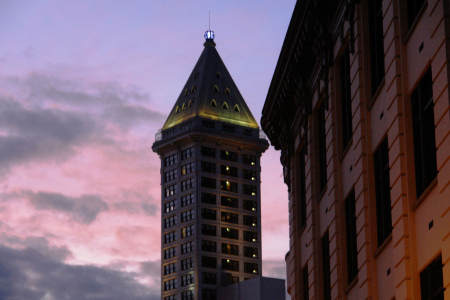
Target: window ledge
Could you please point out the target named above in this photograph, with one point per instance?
(383, 245)
(424, 194)
(351, 284)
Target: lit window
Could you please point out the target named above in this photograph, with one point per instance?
(177, 109)
(190, 103)
(186, 92)
(193, 89)
(236, 108)
(225, 105)
(215, 89)
(213, 103)
(183, 107)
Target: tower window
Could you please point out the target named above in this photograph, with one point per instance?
(186, 92)
(236, 108)
(229, 217)
(209, 262)
(251, 268)
(325, 241)
(225, 105)
(350, 227)
(215, 89)
(209, 246)
(424, 133)
(213, 103)
(229, 186)
(209, 214)
(183, 107)
(231, 265)
(218, 74)
(376, 44)
(250, 221)
(251, 252)
(346, 99)
(228, 155)
(209, 230)
(196, 75)
(190, 104)
(229, 202)
(229, 233)
(177, 109)
(227, 91)
(250, 236)
(230, 249)
(431, 280)
(192, 89)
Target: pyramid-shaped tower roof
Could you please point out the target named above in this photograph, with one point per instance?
(211, 93)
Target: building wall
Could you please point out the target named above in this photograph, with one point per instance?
(420, 225)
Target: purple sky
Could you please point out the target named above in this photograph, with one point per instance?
(84, 86)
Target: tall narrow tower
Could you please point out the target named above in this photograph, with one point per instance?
(210, 149)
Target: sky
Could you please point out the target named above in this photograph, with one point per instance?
(84, 87)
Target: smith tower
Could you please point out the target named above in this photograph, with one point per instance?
(210, 149)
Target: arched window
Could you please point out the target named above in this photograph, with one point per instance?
(227, 91)
(236, 108)
(177, 109)
(186, 92)
(193, 89)
(190, 103)
(215, 89)
(218, 74)
(196, 75)
(184, 106)
(225, 105)
(213, 103)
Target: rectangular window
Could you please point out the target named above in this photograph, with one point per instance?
(209, 246)
(350, 229)
(170, 190)
(249, 159)
(228, 171)
(170, 284)
(249, 174)
(171, 297)
(305, 283)
(230, 249)
(414, 7)
(228, 128)
(187, 247)
(208, 152)
(208, 124)
(230, 265)
(188, 295)
(170, 206)
(424, 133)
(228, 155)
(325, 241)
(169, 253)
(250, 221)
(187, 168)
(209, 230)
(170, 268)
(170, 237)
(209, 214)
(187, 200)
(170, 221)
(187, 279)
(170, 160)
(209, 294)
(229, 186)
(376, 44)
(250, 236)
(322, 145)
(251, 268)
(187, 184)
(301, 186)
(248, 189)
(187, 153)
(382, 192)
(250, 205)
(209, 262)
(251, 252)
(187, 263)
(208, 167)
(187, 215)
(346, 99)
(432, 281)
(187, 231)
(230, 233)
(208, 182)
(170, 175)
(229, 217)
(208, 198)
(229, 201)
(209, 278)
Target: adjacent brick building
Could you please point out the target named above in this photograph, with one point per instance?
(359, 107)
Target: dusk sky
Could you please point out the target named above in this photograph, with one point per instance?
(84, 87)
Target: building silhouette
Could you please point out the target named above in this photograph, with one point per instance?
(359, 107)
(210, 149)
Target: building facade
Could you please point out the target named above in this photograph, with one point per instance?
(210, 149)
(359, 107)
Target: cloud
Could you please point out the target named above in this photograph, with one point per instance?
(276, 268)
(83, 209)
(33, 274)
